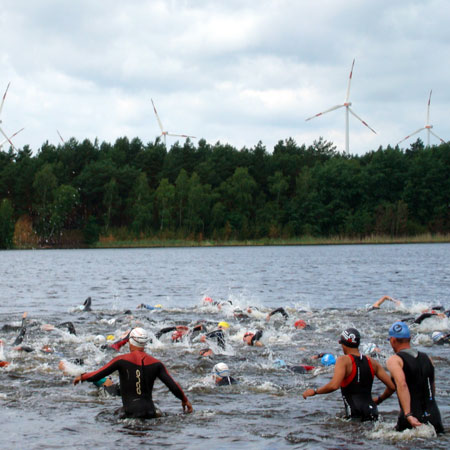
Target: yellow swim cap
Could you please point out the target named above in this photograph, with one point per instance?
(110, 337)
(158, 306)
(223, 325)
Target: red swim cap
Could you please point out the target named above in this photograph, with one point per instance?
(208, 299)
(300, 324)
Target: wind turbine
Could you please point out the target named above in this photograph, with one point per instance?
(7, 139)
(166, 133)
(428, 127)
(347, 105)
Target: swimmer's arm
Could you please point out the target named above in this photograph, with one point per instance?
(104, 371)
(174, 387)
(164, 331)
(335, 383)
(382, 375)
(395, 367)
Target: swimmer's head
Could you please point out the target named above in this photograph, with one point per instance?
(350, 338)
(138, 337)
(279, 363)
(300, 324)
(248, 337)
(221, 370)
(99, 339)
(328, 359)
(208, 300)
(437, 335)
(110, 337)
(178, 334)
(223, 325)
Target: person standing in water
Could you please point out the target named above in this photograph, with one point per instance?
(138, 372)
(354, 374)
(413, 374)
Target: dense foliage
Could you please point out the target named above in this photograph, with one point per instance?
(129, 189)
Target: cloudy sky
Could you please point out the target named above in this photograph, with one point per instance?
(235, 71)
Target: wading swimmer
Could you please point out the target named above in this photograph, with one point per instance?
(138, 372)
(354, 374)
(413, 374)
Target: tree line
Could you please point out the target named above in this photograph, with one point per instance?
(134, 190)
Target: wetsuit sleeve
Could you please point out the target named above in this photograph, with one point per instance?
(174, 387)
(281, 311)
(164, 331)
(257, 336)
(119, 344)
(104, 371)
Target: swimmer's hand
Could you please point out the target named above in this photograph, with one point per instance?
(309, 393)
(77, 380)
(413, 421)
(187, 407)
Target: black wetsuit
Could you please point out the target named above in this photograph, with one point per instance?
(218, 335)
(137, 372)
(419, 375)
(356, 390)
(281, 311)
(256, 337)
(226, 381)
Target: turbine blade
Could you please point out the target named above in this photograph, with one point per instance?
(362, 121)
(412, 134)
(428, 109)
(59, 134)
(181, 135)
(349, 82)
(7, 138)
(16, 133)
(435, 135)
(4, 96)
(324, 112)
(157, 117)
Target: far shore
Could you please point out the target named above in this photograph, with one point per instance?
(305, 240)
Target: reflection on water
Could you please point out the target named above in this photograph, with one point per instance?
(328, 287)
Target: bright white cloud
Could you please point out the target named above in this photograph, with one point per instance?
(234, 71)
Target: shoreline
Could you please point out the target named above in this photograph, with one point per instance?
(108, 242)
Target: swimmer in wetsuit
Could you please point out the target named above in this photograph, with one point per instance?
(253, 339)
(276, 311)
(381, 300)
(413, 374)
(354, 374)
(221, 375)
(138, 372)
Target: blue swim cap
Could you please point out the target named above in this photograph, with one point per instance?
(328, 359)
(279, 363)
(399, 330)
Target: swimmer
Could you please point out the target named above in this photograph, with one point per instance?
(354, 374)
(439, 338)
(381, 300)
(432, 313)
(301, 325)
(413, 374)
(86, 305)
(3, 362)
(149, 307)
(280, 364)
(138, 372)
(253, 339)
(278, 311)
(221, 375)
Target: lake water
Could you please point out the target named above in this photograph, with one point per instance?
(327, 286)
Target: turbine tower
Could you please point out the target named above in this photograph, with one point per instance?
(166, 133)
(347, 105)
(7, 139)
(427, 127)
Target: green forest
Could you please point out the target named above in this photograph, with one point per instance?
(79, 192)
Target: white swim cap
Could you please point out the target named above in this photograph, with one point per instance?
(221, 370)
(369, 348)
(437, 335)
(99, 339)
(138, 337)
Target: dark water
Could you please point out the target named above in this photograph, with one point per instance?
(327, 286)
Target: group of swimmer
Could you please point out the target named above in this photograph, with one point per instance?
(411, 372)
